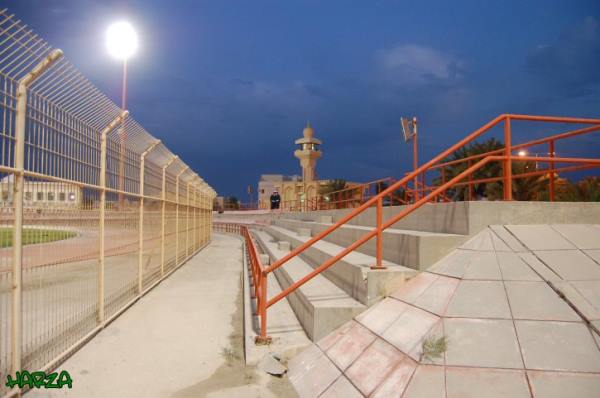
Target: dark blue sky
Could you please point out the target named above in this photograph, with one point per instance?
(229, 85)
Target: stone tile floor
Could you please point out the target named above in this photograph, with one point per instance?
(519, 306)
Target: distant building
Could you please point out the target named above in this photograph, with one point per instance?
(42, 193)
(296, 191)
(292, 189)
(219, 203)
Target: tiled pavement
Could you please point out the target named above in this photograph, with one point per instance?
(519, 306)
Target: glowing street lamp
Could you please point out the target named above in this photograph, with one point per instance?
(122, 43)
(522, 153)
(121, 40)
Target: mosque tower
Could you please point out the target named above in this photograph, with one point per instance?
(308, 152)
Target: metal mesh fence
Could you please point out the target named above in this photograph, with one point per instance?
(94, 210)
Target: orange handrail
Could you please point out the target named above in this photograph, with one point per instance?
(528, 144)
(385, 192)
(259, 277)
(383, 226)
(503, 155)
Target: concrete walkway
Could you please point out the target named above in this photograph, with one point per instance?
(513, 312)
(175, 340)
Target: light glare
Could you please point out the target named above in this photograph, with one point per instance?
(121, 40)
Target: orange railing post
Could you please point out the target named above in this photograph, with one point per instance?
(552, 154)
(258, 275)
(470, 196)
(262, 309)
(423, 186)
(379, 263)
(416, 164)
(444, 179)
(508, 160)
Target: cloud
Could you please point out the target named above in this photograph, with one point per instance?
(571, 63)
(416, 64)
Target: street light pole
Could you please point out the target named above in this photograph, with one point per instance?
(415, 137)
(122, 139)
(121, 41)
(411, 132)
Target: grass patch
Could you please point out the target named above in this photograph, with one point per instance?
(229, 355)
(33, 235)
(434, 347)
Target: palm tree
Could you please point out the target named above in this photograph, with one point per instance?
(529, 188)
(232, 203)
(589, 189)
(524, 188)
(586, 190)
(490, 170)
(332, 186)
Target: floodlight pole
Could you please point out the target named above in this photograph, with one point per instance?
(122, 139)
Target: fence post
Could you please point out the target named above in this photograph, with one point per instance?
(196, 213)
(552, 187)
(379, 263)
(201, 216)
(204, 218)
(177, 215)
(141, 218)
(207, 212)
(103, 155)
(200, 213)
(187, 222)
(207, 217)
(162, 215)
(508, 160)
(18, 186)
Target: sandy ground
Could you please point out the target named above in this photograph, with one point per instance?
(183, 339)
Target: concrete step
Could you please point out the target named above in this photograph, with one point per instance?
(450, 218)
(284, 328)
(468, 217)
(352, 273)
(414, 249)
(319, 305)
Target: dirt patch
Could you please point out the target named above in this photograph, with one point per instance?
(234, 378)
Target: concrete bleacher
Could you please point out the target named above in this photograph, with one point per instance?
(437, 239)
(319, 305)
(410, 248)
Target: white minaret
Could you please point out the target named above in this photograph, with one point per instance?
(308, 152)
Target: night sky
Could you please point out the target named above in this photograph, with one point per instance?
(229, 85)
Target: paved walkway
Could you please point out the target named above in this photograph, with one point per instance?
(176, 340)
(514, 312)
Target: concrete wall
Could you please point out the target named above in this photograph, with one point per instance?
(464, 218)
(467, 218)
(482, 214)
